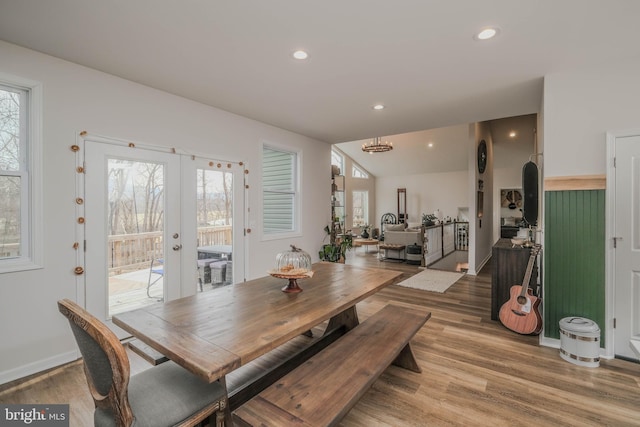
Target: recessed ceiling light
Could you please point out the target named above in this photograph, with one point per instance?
(378, 107)
(512, 134)
(487, 33)
(300, 54)
(430, 145)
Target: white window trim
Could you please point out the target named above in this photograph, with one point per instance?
(360, 169)
(35, 258)
(297, 203)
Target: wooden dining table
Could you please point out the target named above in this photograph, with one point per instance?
(214, 333)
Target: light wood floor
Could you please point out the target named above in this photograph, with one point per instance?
(475, 372)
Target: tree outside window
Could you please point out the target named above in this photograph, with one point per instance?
(21, 220)
(13, 172)
(214, 198)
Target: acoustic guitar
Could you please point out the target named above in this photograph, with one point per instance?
(521, 313)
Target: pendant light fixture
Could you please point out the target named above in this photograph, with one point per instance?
(377, 146)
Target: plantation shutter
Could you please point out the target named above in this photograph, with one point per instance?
(279, 190)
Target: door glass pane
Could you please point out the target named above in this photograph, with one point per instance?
(135, 225)
(10, 217)
(214, 212)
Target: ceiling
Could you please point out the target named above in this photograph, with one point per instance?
(417, 57)
(434, 150)
(445, 149)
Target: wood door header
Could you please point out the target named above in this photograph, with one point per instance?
(582, 182)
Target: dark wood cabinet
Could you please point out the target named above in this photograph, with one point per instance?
(507, 231)
(508, 267)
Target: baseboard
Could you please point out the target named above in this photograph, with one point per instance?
(549, 342)
(480, 266)
(39, 366)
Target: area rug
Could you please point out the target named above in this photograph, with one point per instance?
(432, 280)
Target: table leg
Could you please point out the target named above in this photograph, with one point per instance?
(244, 392)
(347, 318)
(228, 420)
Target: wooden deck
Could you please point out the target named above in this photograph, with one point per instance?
(128, 291)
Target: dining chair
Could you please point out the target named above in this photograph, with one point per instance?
(164, 395)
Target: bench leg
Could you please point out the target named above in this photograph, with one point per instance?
(348, 319)
(406, 359)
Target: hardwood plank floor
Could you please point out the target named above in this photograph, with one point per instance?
(475, 371)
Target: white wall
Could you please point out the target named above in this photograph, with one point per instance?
(480, 230)
(425, 193)
(34, 336)
(580, 107)
(509, 156)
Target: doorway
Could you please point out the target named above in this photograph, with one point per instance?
(623, 244)
(155, 222)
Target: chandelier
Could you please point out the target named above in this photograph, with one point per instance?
(377, 146)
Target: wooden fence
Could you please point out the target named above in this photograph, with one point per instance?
(130, 252)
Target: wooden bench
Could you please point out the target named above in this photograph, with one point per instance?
(321, 391)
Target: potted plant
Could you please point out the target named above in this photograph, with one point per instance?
(330, 252)
(346, 243)
(428, 220)
(336, 251)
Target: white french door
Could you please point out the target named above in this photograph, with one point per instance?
(213, 204)
(131, 228)
(154, 223)
(626, 231)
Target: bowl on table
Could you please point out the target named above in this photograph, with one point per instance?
(518, 241)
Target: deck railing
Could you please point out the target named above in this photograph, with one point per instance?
(130, 252)
(461, 235)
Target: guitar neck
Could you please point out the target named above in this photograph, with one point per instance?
(527, 275)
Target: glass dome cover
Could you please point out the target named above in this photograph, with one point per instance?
(293, 262)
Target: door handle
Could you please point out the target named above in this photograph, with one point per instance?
(177, 247)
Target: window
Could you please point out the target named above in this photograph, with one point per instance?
(279, 191)
(337, 159)
(19, 175)
(360, 208)
(358, 172)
